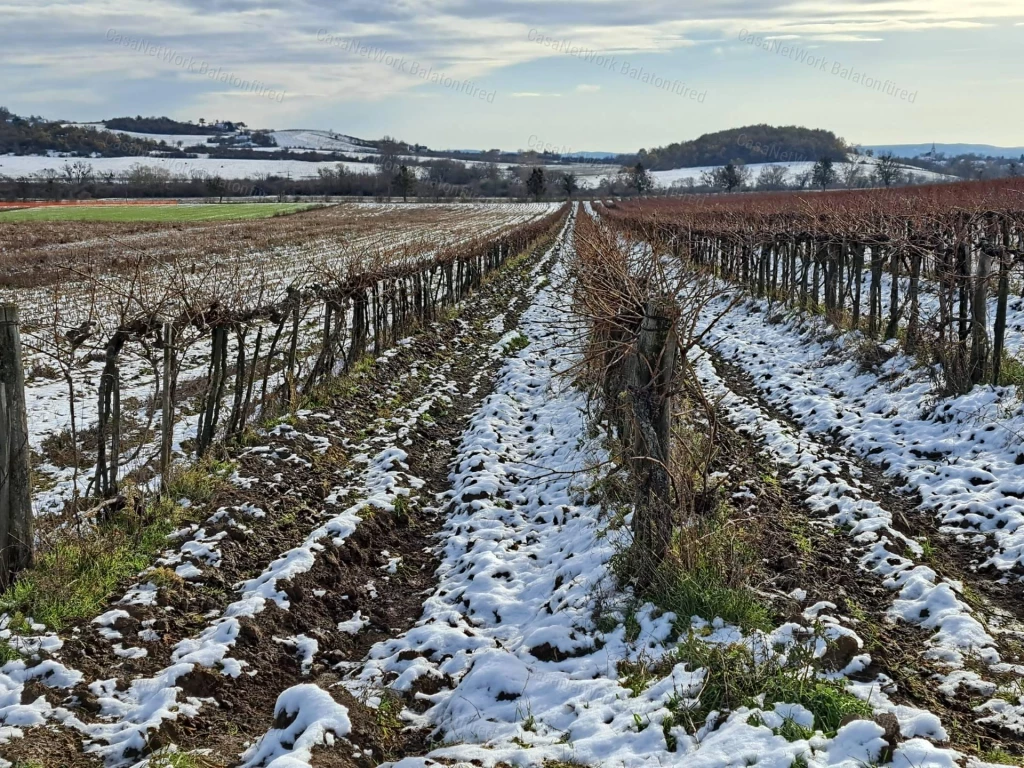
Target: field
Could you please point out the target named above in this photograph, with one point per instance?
(127, 213)
(725, 481)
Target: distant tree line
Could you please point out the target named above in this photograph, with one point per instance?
(751, 144)
(166, 125)
(36, 136)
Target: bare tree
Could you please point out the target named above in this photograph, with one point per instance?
(888, 170)
(78, 173)
(851, 175)
(216, 186)
(772, 177)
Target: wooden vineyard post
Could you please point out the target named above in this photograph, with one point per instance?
(1000, 329)
(913, 321)
(858, 268)
(292, 352)
(894, 295)
(16, 524)
(167, 417)
(650, 381)
(979, 318)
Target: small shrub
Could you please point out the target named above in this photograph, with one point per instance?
(870, 355)
(1011, 371)
(200, 481)
(735, 679)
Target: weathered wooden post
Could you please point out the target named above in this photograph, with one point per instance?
(1000, 329)
(16, 524)
(892, 328)
(979, 317)
(650, 383)
(167, 414)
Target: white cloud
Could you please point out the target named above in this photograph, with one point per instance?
(847, 39)
(60, 47)
(585, 88)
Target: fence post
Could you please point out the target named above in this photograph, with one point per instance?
(1000, 329)
(167, 417)
(979, 317)
(650, 382)
(16, 524)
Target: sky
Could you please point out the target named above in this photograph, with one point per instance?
(583, 75)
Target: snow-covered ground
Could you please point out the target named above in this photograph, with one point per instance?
(298, 138)
(26, 165)
(523, 651)
(526, 571)
(960, 643)
(321, 140)
(589, 174)
(960, 453)
(793, 171)
(188, 140)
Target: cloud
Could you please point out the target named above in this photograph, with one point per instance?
(532, 95)
(60, 46)
(847, 39)
(585, 88)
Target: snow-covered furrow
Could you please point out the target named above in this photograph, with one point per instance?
(509, 635)
(148, 702)
(832, 491)
(385, 477)
(962, 454)
(128, 716)
(305, 697)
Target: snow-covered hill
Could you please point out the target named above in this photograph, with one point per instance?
(325, 141)
(294, 139)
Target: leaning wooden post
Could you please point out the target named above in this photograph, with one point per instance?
(16, 524)
(167, 417)
(650, 382)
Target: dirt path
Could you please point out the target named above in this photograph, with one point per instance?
(319, 548)
(825, 541)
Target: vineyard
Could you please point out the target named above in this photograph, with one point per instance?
(723, 481)
(243, 323)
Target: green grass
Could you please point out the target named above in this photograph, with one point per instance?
(73, 578)
(1011, 370)
(702, 592)
(516, 344)
(1001, 757)
(174, 759)
(126, 213)
(735, 678)
(7, 653)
